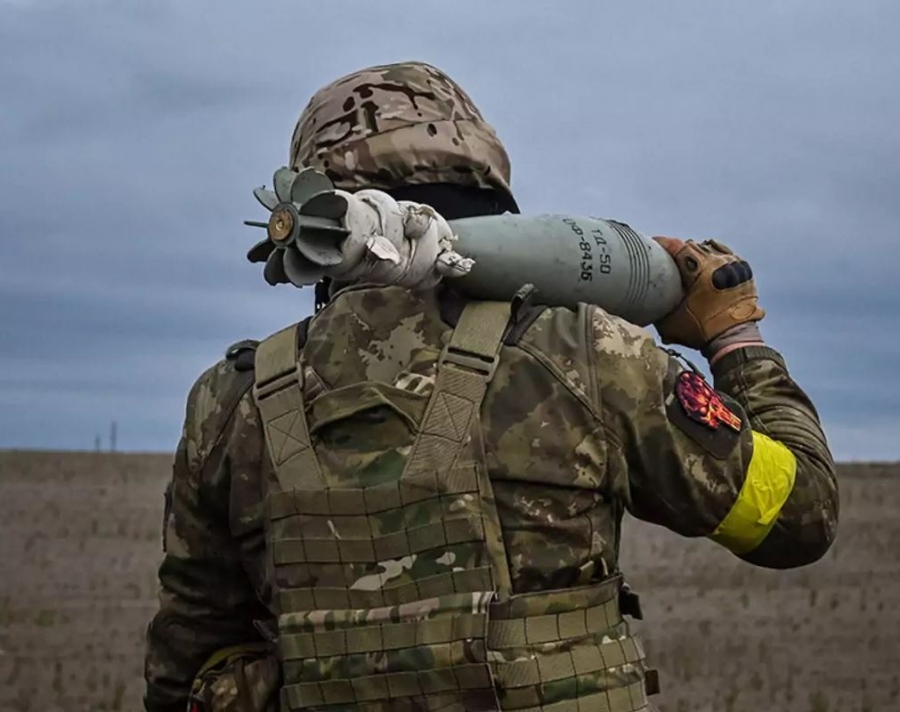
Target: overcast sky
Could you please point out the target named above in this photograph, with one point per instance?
(132, 134)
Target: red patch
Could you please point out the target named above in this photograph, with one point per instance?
(702, 404)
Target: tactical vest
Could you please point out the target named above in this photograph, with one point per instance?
(391, 579)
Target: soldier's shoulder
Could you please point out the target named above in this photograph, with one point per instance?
(214, 397)
(613, 338)
(555, 337)
(537, 324)
(566, 331)
(593, 348)
(586, 322)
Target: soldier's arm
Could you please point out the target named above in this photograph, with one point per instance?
(206, 600)
(778, 410)
(756, 475)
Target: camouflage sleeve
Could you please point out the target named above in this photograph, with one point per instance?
(746, 465)
(206, 600)
(758, 379)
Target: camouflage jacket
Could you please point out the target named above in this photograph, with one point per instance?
(613, 424)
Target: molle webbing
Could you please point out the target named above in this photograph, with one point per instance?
(583, 652)
(423, 690)
(553, 616)
(565, 651)
(380, 523)
(278, 393)
(433, 647)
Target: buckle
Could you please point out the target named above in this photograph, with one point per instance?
(467, 361)
(651, 682)
(276, 384)
(630, 603)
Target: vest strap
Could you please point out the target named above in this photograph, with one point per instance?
(465, 369)
(278, 393)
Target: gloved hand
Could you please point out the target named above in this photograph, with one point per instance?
(396, 242)
(720, 296)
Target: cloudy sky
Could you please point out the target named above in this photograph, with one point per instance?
(132, 132)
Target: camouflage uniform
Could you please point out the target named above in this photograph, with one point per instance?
(585, 418)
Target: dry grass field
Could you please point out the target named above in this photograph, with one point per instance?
(80, 541)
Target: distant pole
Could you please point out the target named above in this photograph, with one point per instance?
(97, 443)
(112, 436)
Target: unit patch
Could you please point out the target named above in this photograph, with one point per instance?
(702, 414)
(702, 404)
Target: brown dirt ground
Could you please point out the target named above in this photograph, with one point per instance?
(80, 541)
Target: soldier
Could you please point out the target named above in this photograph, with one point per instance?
(413, 502)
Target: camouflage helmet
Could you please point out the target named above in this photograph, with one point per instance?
(397, 125)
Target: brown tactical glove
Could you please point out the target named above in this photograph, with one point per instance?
(719, 293)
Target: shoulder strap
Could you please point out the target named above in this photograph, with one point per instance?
(465, 368)
(523, 311)
(278, 393)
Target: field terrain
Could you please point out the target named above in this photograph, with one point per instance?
(80, 542)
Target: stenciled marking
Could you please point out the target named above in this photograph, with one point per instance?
(603, 258)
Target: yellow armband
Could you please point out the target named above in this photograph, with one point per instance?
(770, 479)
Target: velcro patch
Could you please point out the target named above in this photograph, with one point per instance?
(702, 404)
(702, 414)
